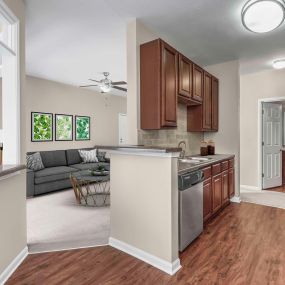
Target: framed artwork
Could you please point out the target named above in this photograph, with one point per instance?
(63, 127)
(82, 128)
(41, 127)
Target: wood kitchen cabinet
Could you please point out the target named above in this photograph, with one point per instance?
(204, 118)
(218, 187)
(231, 182)
(159, 85)
(215, 104)
(225, 188)
(198, 74)
(217, 192)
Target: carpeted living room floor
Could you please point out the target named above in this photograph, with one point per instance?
(56, 222)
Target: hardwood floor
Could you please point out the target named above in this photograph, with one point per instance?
(244, 245)
(277, 189)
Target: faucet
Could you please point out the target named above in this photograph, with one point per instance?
(182, 152)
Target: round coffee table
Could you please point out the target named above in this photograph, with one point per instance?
(91, 190)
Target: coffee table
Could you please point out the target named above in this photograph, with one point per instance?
(91, 190)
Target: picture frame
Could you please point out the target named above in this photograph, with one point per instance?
(63, 127)
(82, 128)
(41, 127)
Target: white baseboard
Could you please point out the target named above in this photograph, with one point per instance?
(4, 276)
(248, 187)
(168, 267)
(235, 199)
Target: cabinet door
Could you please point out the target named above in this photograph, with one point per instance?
(225, 187)
(197, 83)
(217, 192)
(215, 104)
(207, 102)
(231, 182)
(207, 200)
(185, 76)
(169, 88)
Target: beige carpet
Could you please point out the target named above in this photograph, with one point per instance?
(56, 222)
(266, 198)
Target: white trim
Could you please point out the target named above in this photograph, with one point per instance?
(248, 187)
(4, 276)
(65, 249)
(259, 135)
(167, 267)
(235, 199)
(10, 175)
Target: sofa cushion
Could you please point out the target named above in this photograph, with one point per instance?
(73, 157)
(53, 158)
(88, 156)
(34, 161)
(86, 166)
(53, 174)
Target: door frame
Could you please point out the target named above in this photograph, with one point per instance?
(121, 114)
(259, 135)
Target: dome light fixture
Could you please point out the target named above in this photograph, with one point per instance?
(262, 16)
(279, 64)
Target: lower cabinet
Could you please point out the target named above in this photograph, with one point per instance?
(217, 192)
(218, 187)
(225, 188)
(207, 199)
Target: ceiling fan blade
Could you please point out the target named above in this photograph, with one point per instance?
(119, 83)
(87, 85)
(120, 88)
(94, 80)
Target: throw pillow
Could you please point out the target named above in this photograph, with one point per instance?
(34, 161)
(88, 155)
(101, 155)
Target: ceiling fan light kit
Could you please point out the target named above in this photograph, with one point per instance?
(279, 64)
(262, 16)
(106, 85)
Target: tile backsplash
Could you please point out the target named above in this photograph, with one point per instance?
(171, 137)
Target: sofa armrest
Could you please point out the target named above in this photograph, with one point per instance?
(30, 183)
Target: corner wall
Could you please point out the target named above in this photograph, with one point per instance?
(256, 86)
(53, 97)
(227, 139)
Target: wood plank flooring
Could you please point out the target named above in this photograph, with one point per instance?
(277, 189)
(244, 245)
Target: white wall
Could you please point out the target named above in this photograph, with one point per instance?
(261, 85)
(53, 97)
(13, 236)
(137, 34)
(227, 139)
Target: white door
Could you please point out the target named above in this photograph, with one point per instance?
(122, 129)
(272, 143)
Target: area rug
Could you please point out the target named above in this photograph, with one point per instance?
(56, 222)
(266, 198)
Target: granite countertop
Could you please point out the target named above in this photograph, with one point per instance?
(9, 169)
(141, 148)
(185, 166)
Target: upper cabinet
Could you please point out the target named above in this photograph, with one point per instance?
(205, 117)
(168, 77)
(159, 85)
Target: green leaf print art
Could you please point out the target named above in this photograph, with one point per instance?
(82, 128)
(63, 127)
(42, 127)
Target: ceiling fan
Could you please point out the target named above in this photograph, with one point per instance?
(107, 84)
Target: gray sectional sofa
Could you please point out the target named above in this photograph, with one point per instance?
(59, 164)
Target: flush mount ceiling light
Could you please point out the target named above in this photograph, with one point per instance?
(279, 64)
(262, 16)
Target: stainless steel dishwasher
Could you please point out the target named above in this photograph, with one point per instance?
(190, 185)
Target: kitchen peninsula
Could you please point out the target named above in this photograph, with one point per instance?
(144, 200)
